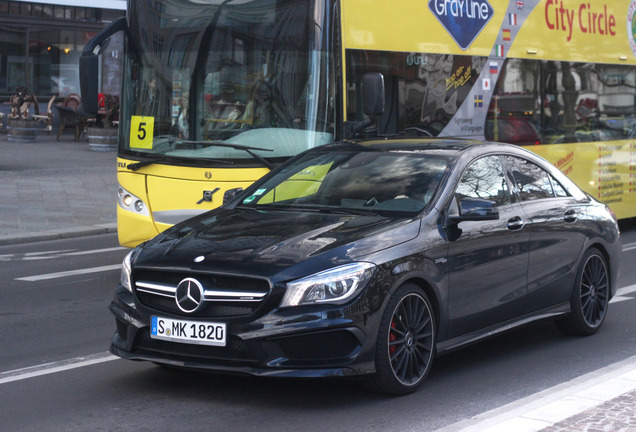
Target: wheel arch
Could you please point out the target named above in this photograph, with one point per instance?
(608, 262)
(429, 290)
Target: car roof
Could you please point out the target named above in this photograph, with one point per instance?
(448, 146)
(455, 148)
(419, 144)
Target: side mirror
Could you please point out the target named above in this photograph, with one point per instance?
(373, 103)
(230, 194)
(89, 73)
(473, 209)
(89, 64)
(373, 96)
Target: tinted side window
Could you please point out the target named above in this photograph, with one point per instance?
(532, 181)
(484, 179)
(558, 189)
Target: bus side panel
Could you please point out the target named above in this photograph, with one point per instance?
(133, 227)
(602, 169)
(411, 27)
(597, 33)
(175, 199)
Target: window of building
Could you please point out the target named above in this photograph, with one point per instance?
(53, 61)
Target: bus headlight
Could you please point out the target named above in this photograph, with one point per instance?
(131, 202)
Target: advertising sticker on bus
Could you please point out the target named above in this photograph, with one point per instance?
(463, 20)
(631, 26)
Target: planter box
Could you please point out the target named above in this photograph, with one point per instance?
(102, 139)
(20, 130)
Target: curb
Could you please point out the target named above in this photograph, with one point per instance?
(13, 239)
(556, 404)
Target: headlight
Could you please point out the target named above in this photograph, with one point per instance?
(331, 286)
(131, 202)
(124, 278)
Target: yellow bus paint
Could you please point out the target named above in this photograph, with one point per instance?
(164, 188)
(409, 26)
(606, 170)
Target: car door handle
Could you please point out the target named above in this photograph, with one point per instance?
(516, 223)
(570, 216)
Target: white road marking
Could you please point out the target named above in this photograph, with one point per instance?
(9, 257)
(69, 273)
(54, 367)
(618, 299)
(629, 246)
(622, 292)
(34, 256)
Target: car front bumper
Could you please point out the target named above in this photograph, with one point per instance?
(312, 343)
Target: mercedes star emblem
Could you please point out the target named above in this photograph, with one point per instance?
(189, 295)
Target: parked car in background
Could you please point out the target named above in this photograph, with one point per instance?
(366, 259)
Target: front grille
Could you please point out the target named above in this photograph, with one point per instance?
(319, 346)
(210, 310)
(224, 296)
(235, 352)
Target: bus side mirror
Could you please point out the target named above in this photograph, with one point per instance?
(89, 64)
(373, 103)
(89, 71)
(373, 97)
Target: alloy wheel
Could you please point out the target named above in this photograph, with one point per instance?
(411, 339)
(594, 290)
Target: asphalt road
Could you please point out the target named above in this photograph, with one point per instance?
(56, 375)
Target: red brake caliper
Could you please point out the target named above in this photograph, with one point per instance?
(392, 337)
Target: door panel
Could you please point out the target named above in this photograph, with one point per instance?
(556, 232)
(487, 266)
(556, 239)
(488, 261)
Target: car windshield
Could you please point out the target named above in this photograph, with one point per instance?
(354, 181)
(210, 78)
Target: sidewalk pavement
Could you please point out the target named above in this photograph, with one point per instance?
(603, 400)
(52, 190)
(55, 189)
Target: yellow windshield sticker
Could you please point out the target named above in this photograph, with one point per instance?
(141, 132)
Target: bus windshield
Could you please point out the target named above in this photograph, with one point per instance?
(204, 80)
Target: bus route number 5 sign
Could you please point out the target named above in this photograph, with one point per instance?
(141, 132)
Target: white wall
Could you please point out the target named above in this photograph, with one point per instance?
(100, 4)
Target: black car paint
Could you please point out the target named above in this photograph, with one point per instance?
(453, 264)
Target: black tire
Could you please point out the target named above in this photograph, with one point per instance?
(590, 296)
(405, 346)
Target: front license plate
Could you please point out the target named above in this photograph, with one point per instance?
(192, 332)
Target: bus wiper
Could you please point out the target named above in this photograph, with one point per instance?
(245, 148)
(135, 166)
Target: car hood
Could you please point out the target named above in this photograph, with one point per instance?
(272, 243)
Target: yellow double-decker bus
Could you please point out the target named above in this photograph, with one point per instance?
(217, 92)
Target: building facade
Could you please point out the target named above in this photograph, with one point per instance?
(41, 43)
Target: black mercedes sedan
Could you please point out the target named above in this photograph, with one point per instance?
(367, 259)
